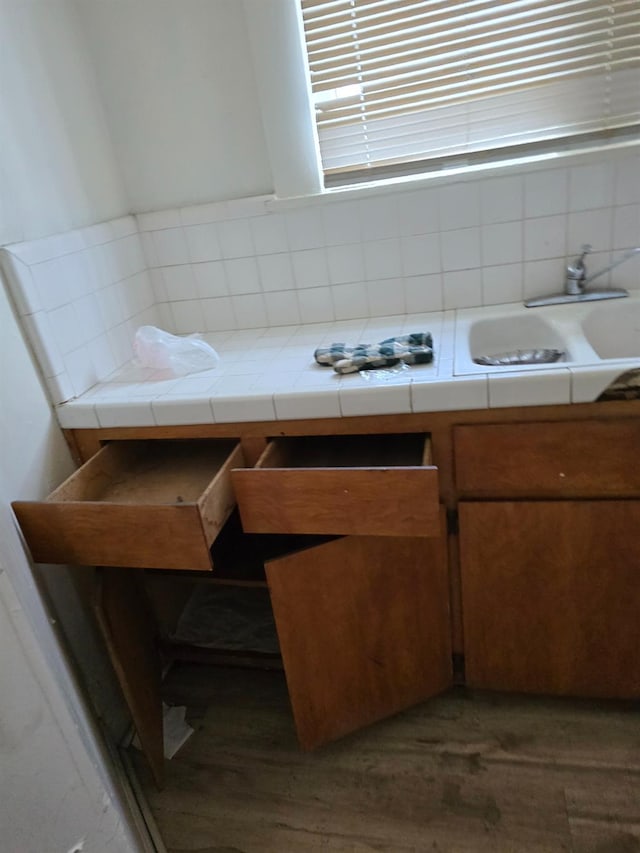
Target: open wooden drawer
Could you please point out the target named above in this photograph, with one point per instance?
(144, 504)
(374, 485)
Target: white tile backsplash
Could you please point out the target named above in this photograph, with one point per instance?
(501, 243)
(379, 217)
(242, 276)
(459, 206)
(87, 301)
(350, 301)
(211, 279)
(304, 228)
(545, 237)
(460, 250)
(502, 284)
(235, 238)
(203, 242)
(224, 266)
(421, 255)
(276, 272)
(418, 213)
(626, 226)
(218, 314)
(502, 199)
(423, 293)
(316, 305)
(341, 223)
(386, 297)
(591, 186)
(269, 234)
(250, 310)
(346, 263)
(462, 288)
(179, 282)
(170, 246)
(310, 268)
(546, 193)
(382, 258)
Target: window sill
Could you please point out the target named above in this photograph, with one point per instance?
(457, 174)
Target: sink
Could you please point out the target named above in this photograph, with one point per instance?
(498, 335)
(614, 330)
(587, 333)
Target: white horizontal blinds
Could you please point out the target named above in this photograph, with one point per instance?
(395, 81)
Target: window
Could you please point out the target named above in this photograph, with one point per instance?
(401, 86)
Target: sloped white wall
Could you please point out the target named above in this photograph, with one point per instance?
(179, 90)
(57, 165)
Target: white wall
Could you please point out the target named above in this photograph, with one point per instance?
(57, 165)
(179, 91)
(53, 789)
(57, 172)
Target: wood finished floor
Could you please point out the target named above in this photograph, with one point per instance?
(463, 773)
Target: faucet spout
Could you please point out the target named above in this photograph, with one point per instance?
(617, 263)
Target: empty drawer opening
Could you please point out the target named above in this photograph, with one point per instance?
(350, 451)
(140, 472)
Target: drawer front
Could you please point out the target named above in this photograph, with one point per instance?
(369, 500)
(152, 504)
(577, 459)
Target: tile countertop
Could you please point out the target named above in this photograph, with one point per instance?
(269, 374)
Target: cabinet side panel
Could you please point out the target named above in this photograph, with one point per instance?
(127, 627)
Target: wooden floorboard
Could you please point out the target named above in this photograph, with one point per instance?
(462, 773)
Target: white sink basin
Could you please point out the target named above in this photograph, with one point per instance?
(589, 334)
(614, 330)
(508, 330)
(506, 334)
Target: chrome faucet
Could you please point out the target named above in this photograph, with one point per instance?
(576, 281)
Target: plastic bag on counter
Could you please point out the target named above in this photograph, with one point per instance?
(156, 348)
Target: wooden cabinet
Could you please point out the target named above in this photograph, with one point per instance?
(550, 588)
(539, 590)
(363, 620)
(551, 596)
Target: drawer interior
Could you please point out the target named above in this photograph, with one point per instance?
(147, 472)
(348, 451)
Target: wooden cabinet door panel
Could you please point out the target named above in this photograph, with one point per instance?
(551, 596)
(363, 624)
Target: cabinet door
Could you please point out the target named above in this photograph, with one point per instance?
(363, 625)
(551, 596)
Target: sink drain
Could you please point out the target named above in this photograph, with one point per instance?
(522, 356)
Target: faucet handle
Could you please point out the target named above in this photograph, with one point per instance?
(577, 269)
(587, 248)
(577, 272)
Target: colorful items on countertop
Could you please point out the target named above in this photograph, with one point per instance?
(414, 348)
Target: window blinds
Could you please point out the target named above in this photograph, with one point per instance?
(396, 83)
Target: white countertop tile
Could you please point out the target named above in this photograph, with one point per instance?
(268, 374)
